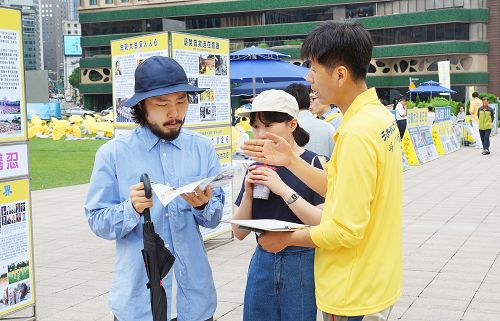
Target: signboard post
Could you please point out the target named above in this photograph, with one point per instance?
(17, 282)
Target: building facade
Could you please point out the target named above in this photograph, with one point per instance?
(410, 36)
(32, 45)
(71, 34)
(54, 12)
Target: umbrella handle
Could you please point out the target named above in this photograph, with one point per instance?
(147, 191)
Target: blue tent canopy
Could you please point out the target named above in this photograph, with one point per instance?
(253, 53)
(247, 88)
(431, 87)
(270, 70)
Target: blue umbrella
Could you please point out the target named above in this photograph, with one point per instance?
(431, 87)
(270, 70)
(247, 88)
(253, 53)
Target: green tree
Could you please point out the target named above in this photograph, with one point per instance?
(74, 78)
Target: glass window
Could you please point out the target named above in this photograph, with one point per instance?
(93, 2)
(360, 10)
(109, 1)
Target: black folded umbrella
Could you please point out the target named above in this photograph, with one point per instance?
(157, 259)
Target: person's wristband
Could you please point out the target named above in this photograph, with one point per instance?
(201, 207)
(292, 199)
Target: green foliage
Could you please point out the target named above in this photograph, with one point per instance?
(436, 102)
(74, 78)
(61, 163)
(263, 45)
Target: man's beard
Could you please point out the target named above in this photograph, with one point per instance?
(160, 132)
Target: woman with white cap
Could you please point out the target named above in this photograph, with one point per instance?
(279, 286)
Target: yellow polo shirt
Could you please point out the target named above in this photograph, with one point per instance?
(358, 262)
(475, 104)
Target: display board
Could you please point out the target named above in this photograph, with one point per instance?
(206, 63)
(443, 134)
(418, 145)
(16, 255)
(126, 55)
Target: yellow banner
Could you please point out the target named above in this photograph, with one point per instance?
(147, 43)
(16, 211)
(220, 136)
(184, 41)
(11, 19)
(225, 157)
(10, 22)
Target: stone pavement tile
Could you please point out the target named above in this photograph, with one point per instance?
(233, 315)
(485, 307)
(63, 300)
(434, 309)
(232, 291)
(224, 308)
(488, 293)
(482, 316)
(458, 277)
(448, 293)
(430, 264)
(401, 306)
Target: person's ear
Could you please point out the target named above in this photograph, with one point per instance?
(342, 74)
(293, 124)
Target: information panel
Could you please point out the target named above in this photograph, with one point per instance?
(443, 134)
(12, 99)
(16, 260)
(418, 145)
(126, 55)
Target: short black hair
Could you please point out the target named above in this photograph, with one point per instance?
(336, 43)
(429, 108)
(301, 94)
(300, 135)
(475, 94)
(404, 99)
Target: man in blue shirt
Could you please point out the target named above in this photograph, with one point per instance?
(170, 155)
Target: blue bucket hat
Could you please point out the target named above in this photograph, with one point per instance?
(158, 76)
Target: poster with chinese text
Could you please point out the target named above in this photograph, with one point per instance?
(12, 99)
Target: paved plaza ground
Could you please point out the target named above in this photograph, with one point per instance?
(451, 235)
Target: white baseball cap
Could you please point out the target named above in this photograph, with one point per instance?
(274, 100)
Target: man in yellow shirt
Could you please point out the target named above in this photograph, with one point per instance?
(358, 262)
(475, 104)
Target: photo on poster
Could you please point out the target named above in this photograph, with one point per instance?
(123, 114)
(10, 105)
(208, 112)
(207, 95)
(118, 68)
(10, 125)
(220, 65)
(3, 276)
(15, 294)
(193, 98)
(18, 271)
(13, 213)
(207, 64)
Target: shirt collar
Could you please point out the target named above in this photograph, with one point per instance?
(150, 139)
(362, 100)
(305, 114)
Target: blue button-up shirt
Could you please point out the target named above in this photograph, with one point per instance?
(118, 165)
